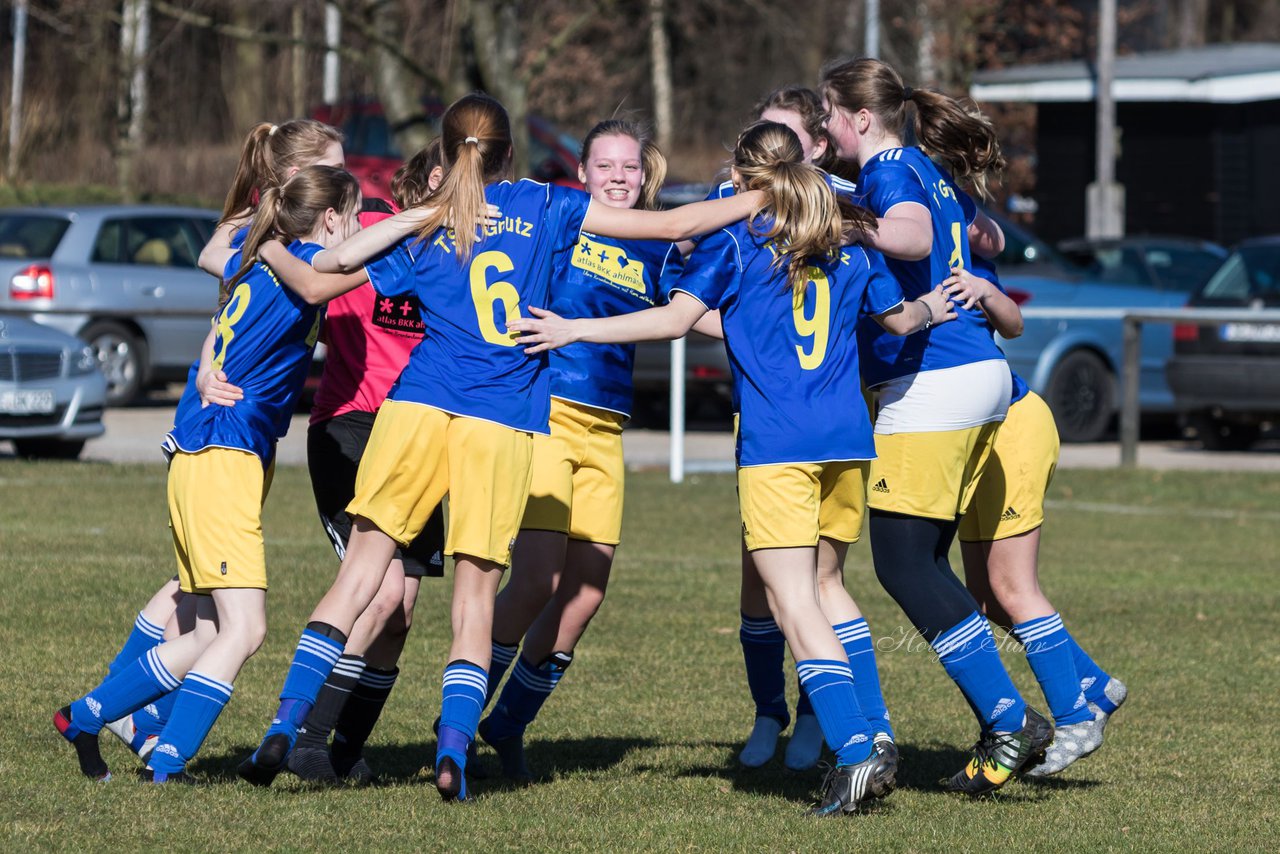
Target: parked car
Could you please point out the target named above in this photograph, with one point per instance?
(123, 278)
(1075, 363)
(1226, 378)
(1165, 263)
(51, 391)
(372, 155)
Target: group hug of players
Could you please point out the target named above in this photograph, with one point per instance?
(480, 346)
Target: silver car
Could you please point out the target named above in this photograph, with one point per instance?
(123, 278)
(51, 391)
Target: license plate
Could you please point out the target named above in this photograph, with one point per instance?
(37, 401)
(1264, 332)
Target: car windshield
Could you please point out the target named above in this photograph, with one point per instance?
(1250, 271)
(30, 236)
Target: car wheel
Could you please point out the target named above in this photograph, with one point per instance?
(49, 449)
(1219, 434)
(122, 356)
(1081, 392)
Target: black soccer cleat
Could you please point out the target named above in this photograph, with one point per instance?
(999, 755)
(262, 766)
(86, 745)
(312, 765)
(510, 754)
(846, 787)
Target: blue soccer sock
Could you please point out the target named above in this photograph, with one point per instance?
(855, 637)
(500, 659)
(829, 685)
(144, 636)
(151, 718)
(967, 652)
(1093, 679)
(461, 702)
(200, 700)
(318, 651)
(130, 689)
(524, 694)
(1049, 653)
(763, 649)
(803, 706)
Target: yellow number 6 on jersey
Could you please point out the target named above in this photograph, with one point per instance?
(484, 295)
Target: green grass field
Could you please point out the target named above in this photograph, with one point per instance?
(1168, 579)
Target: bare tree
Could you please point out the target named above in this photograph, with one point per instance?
(135, 32)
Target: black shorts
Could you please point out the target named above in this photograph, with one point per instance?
(334, 448)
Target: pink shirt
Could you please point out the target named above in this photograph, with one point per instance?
(369, 338)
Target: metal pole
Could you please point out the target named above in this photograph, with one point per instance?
(1131, 371)
(1106, 200)
(332, 37)
(871, 47)
(15, 94)
(677, 411)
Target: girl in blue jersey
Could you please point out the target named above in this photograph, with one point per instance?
(269, 155)
(573, 520)
(1000, 542)
(940, 395)
(219, 473)
(461, 418)
(790, 288)
(763, 646)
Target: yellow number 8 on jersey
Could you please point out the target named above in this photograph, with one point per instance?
(231, 314)
(484, 295)
(817, 326)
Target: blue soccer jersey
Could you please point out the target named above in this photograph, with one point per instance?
(894, 177)
(468, 363)
(264, 340)
(794, 361)
(602, 277)
(987, 270)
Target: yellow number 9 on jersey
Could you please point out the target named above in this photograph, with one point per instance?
(818, 326)
(484, 295)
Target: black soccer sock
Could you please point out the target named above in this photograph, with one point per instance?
(361, 711)
(910, 555)
(337, 689)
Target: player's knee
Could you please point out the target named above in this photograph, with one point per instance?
(398, 622)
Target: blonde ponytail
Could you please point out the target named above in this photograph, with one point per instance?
(807, 223)
(476, 140)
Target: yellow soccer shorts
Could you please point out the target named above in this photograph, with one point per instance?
(417, 454)
(930, 475)
(791, 505)
(578, 475)
(215, 516)
(1009, 499)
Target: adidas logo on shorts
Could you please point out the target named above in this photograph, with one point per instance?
(880, 486)
(1009, 515)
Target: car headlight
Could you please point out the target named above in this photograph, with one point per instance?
(83, 361)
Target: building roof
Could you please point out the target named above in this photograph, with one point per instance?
(1215, 74)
